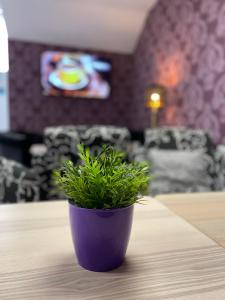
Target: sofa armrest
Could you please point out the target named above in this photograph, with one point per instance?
(219, 158)
(17, 183)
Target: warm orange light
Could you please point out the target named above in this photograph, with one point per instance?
(154, 104)
(170, 70)
(154, 98)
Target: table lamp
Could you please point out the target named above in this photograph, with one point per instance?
(155, 100)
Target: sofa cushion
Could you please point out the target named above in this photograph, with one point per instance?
(178, 171)
(184, 139)
(61, 141)
(178, 138)
(91, 136)
(95, 136)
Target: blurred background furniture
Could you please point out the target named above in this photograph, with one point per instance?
(61, 143)
(17, 183)
(182, 160)
(192, 163)
(16, 145)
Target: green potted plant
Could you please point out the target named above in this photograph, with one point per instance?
(102, 191)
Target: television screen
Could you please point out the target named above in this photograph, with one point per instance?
(75, 75)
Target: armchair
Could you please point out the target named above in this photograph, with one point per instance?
(17, 183)
(61, 143)
(183, 160)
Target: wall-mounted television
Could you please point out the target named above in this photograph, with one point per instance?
(75, 75)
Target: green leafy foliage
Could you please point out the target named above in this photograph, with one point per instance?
(103, 181)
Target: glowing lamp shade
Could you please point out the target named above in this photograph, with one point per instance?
(4, 54)
(155, 100)
(155, 97)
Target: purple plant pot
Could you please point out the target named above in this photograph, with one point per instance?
(100, 237)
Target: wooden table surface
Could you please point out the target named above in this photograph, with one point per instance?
(167, 258)
(206, 211)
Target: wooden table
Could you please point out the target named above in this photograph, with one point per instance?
(167, 258)
(206, 211)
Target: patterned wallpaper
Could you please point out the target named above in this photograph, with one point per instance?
(31, 111)
(183, 48)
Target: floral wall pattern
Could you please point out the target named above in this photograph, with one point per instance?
(183, 48)
(31, 111)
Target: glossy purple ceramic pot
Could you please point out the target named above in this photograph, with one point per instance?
(100, 237)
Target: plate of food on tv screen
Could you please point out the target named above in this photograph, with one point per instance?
(75, 75)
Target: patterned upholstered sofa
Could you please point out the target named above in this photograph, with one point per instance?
(60, 143)
(20, 184)
(197, 152)
(17, 183)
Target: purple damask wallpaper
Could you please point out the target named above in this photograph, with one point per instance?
(182, 47)
(31, 111)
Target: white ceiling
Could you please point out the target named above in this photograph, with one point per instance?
(110, 25)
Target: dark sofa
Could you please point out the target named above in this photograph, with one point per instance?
(181, 145)
(61, 144)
